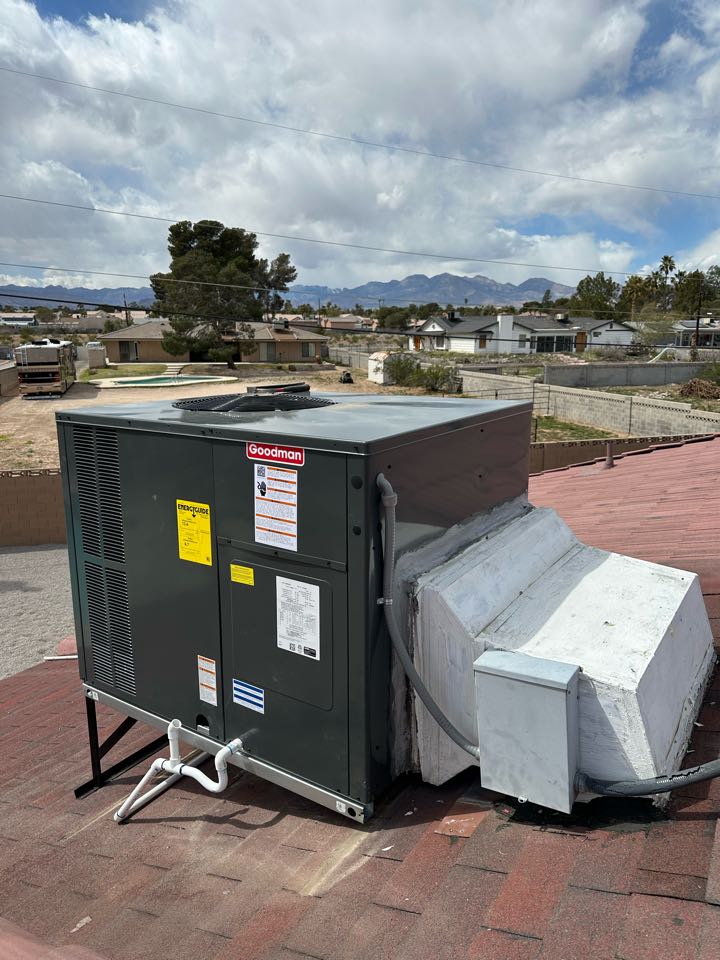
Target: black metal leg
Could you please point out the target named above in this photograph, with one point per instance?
(95, 766)
(98, 750)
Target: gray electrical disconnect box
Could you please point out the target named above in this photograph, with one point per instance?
(527, 715)
(226, 563)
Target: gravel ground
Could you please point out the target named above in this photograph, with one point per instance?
(28, 435)
(35, 605)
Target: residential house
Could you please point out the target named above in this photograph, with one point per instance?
(708, 333)
(308, 321)
(275, 342)
(518, 333)
(140, 343)
(346, 321)
(278, 342)
(17, 320)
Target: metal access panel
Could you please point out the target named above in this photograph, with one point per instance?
(527, 715)
(226, 566)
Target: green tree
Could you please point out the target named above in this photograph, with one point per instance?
(225, 288)
(45, 315)
(596, 295)
(636, 292)
(654, 327)
(690, 291)
(712, 283)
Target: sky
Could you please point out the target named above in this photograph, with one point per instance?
(597, 89)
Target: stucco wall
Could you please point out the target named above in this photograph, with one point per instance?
(565, 453)
(149, 351)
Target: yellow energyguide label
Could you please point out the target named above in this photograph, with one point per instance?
(194, 541)
(240, 574)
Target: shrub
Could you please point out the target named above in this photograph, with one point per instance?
(711, 372)
(440, 377)
(404, 370)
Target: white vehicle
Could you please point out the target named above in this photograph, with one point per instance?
(45, 367)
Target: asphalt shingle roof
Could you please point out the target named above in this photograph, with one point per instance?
(448, 873)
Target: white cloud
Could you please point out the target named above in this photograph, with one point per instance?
(527, 83)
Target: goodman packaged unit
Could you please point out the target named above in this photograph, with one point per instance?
(327, 591)
(226, 562)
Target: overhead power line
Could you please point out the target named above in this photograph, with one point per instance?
(359, 141)
(133, 276)
(209, 283)
(384, 330)
(460, 258)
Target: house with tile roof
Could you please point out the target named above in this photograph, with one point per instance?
(518, 333)
(276, 342)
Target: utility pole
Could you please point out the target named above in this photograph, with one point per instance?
(128, 321)
(697, 316)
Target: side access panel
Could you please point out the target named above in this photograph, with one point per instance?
(284, 629)
(145, 613)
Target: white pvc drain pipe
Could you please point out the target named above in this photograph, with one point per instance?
(176, 767)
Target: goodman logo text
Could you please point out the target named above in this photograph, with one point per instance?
(275, 454)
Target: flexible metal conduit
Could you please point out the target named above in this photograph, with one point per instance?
(583, 782)
(177, 768)
(389, 501)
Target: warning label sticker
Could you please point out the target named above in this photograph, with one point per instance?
(193, 522)
(207, 679)
(240, 574)
(276, 495)
(298, 617)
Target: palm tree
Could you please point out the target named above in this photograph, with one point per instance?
(667, 265)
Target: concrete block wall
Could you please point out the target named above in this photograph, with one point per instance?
(31, 508)
(635, 416)
(8, 379)
(621, 374)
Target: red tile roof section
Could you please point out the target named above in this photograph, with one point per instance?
(661, 505)
(443, 873)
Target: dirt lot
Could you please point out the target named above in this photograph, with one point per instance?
(27, 427)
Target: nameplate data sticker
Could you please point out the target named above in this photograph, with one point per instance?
(298, 617)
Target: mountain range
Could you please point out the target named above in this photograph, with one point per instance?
(58, 296)
(443, 289)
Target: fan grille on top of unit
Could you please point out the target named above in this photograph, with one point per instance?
(244, 403)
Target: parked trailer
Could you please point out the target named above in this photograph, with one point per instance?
(45, 367)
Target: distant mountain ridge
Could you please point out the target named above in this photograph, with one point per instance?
(417, 288)
(111, 296)
(443, 289)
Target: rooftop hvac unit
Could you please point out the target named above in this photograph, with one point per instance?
(262, 575)
(226, 564)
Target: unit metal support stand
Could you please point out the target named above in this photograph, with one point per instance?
(98, 750)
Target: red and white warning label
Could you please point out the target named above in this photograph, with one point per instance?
(276, 514)
(207, 680)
